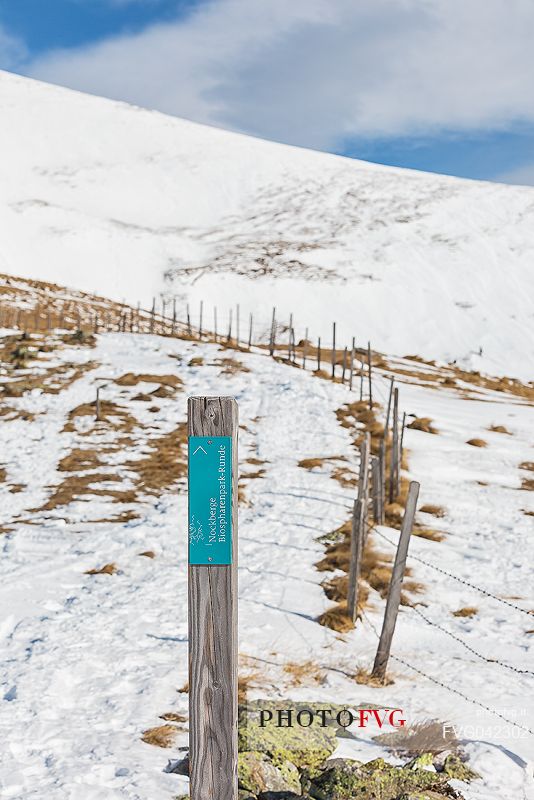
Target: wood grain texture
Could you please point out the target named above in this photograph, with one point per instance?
(213, 636)
(359, 524)
(394, 594)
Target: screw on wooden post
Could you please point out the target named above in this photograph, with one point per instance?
(250, 324)
(351, 364)
(200, 320)
(394, 454)
(333, 350)
(273, 333)
(358, 532)
(212, 617)
(370, 374)
(319, 354)
(395, 586)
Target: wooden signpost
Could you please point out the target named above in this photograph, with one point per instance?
(212, 429)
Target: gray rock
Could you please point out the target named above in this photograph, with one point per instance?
(257, 773)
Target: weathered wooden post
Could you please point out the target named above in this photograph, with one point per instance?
(376, 487)
(351, 365)
(213, 429)
(333, 350)
(229, 337)
(250, 321)
(97, 404)
(394, 594)
(319, 354)
(382, 469)
(358, 532)
(237, 324)
(200, 319)
(153, 315)
(215, 323)
(273, 333)
(370, 374)
(386, 426)
(399, 457)
(289, 333)
(344, 367)
(188, 316)
(173, 327)
(304, 346)
(394, 454)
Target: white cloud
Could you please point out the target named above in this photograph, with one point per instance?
(12, 50)
(316, 72)
(523, 175)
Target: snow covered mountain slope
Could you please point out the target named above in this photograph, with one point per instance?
(130, 203)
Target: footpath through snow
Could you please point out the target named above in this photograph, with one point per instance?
(89, 662)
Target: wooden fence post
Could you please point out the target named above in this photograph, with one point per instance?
(358, 532)
(215, 323)
(386, 426)
(237, 324)
(250, 322)
(229, 337)
(152, 315)
(370, 374)
(399, 458)
(173, 328)
(333, 350)
(394, 594)
(304, 346)
(376, 488)
(200, 320)
(273, 333)
(394, 454)
(351, 366)
(344, 368)
(212, 608)
(319, 353)
(188, 316)
(382, 468)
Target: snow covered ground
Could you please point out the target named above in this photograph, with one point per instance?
(133, 204)
(89, 662)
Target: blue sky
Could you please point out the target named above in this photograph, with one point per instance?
(438, 85)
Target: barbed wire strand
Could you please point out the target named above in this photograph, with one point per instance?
(467, 646)
(449, 688)
(456, 578)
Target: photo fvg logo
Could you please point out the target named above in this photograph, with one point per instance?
(306, 717)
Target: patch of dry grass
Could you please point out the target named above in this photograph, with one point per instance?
(427, 736)
(527, 484)
(304, 674)
(423, 424)
(51, 381)
(165, 462)
(499, 429)
(173, 716)
(81, 487)
(112, 416)
(467, 611)
(107, 569)
(528, 465)
(435, 510)
(79, 460)
(337, 618)
(3, 475)
(230, 366)
(365, 678)
(428, 533)
(148, 554)
(160, 736)
(477, 442)
(196, 361)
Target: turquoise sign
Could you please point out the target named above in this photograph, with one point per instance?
(210, 500)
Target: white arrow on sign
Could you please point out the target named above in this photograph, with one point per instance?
(200, 448)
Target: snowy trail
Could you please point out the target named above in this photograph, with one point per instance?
(89, 662)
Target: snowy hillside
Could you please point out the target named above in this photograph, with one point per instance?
(93, 634)
(130, 203)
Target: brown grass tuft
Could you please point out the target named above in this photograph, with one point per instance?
(164, 464)
(337, 618)
(529, 465)
(107, 569)
(436, 511)
(230, 366)
(467, 611)
(304, 673)
(423, 424)
(244, 683)
(499, 429)
(148, 554)
(173, 716)
(365, 678)
(527, 484)
(427, 736)
(196, 361)
(161, 736)
(428, 533)
(477, 443)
